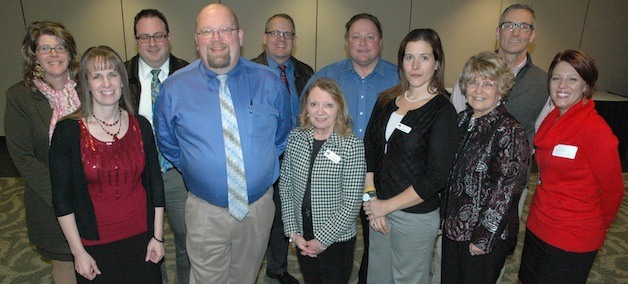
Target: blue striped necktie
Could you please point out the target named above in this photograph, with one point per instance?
(236, 178)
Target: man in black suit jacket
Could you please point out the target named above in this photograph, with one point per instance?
(279, 38)
(152, 35)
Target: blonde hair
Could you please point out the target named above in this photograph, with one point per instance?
(343, 124)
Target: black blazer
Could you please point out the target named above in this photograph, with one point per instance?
(135, 88)
(302, 71)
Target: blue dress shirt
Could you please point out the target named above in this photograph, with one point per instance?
(360, 93)
(189, 129)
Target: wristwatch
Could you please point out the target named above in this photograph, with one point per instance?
(368, 196)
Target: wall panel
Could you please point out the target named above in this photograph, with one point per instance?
(12, 30)
(465, 28)
(605, 38)
(253, 15)
(90, 22)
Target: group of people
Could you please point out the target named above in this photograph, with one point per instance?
(246, 158)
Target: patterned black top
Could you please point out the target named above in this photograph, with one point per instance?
(487, 179)
(421, 156)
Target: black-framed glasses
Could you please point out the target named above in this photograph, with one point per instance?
(280, 34)
(510, 26)
(223, 33)
(144, 38)
(45, 49)
(486, 86)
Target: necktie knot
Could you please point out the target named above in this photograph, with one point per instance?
(222, 78)
(155, 73)
(282, 68)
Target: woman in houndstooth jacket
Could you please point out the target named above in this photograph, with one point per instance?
(322, 179)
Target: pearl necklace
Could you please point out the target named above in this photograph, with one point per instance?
(405, 95)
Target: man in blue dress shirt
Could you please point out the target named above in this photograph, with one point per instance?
(224, 247)
(362, 77)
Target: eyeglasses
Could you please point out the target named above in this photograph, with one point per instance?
(45, 49)
(368, 38)
(510, 26)
(278, 34)
(223, 33)
(486, 86)
(144, 38)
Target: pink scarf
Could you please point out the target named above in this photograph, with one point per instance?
(62, 102)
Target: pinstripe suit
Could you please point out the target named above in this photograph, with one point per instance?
(336, 188)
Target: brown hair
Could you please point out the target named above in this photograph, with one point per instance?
(29, 48)
(100, 58)
(343, 124)
(584, 65)
(437, 81)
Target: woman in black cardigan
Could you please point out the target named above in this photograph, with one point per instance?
(408, 143)
(107, 189)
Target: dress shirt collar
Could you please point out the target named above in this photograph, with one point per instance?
(144, 70)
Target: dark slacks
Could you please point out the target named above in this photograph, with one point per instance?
(458, 266)
(544, 263)
(123, 262)
(332, 266)
(277, 256)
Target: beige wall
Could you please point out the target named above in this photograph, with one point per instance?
(465, 26)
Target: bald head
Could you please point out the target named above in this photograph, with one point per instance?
(218, 38)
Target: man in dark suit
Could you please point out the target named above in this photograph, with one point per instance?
(147, 70)
(279, 38)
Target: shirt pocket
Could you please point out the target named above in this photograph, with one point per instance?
(262, 121)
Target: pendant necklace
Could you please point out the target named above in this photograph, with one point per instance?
(113, 135)
(405, 95)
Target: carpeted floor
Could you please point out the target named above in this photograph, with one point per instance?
(19, 262)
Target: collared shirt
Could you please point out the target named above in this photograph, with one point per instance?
(294, 97)
(146, 78)
(360, 93)
(189, 128)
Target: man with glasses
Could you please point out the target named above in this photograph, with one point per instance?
(223, 121)
(147, 70)
(528, 100)
(361, 78)
(279, 38)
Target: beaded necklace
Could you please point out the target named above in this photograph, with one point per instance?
(101, 122)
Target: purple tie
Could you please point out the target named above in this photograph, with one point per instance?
(283, 76)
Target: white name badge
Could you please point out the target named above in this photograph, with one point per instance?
(332, 156)
(565, 151)
(406, 129)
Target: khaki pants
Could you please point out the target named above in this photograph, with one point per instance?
(222, 249)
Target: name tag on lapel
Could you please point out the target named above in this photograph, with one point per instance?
(332, 156)
(565, 151)
(406, 129)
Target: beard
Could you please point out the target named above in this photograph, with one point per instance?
(219, 61)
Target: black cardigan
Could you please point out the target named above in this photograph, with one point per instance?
(69, 184)
(421, 158)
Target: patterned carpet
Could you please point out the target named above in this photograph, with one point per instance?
(19, 263)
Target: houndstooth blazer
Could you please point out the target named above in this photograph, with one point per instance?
(336, 187)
